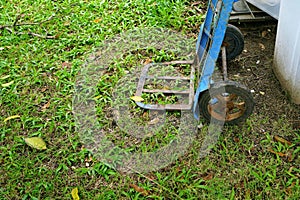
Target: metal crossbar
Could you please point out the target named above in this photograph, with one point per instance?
(190, 85)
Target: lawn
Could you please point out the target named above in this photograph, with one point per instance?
(45, 47)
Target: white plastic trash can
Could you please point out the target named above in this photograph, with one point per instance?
(271, 7)
(287, 48)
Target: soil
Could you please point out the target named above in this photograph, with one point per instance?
(253, 68)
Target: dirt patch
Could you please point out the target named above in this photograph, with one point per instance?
(254, 69)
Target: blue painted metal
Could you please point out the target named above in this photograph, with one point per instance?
(204, 34)
(216, 21)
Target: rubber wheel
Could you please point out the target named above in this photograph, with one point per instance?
(233, 41)
(226, 102)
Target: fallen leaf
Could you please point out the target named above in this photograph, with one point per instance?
(5, 77)
(137, 98)
(36, 142)
(47, 105)
(67, 23)
(290, 156)
(139, 189)
(7, 84)
(97, 97)
(291, 169)
(66, 65)
(166, 87)
(97, 20)
(208, 177)
(264, 33)
(196, 3)
(145, 115)
(147, 61)
(282, 140)
(57, 36)
(236, 139)
(289, 191)
(44, 89)
(154, 121)
(11, 117)
(89, 159)
(278, 153)
(74, 194)
(261, 46)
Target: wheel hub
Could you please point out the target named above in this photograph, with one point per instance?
(226, 106)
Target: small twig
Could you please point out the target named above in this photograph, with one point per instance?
(41, 36)
(198, 9)
(8, 27)
(36, 23)
(196, 3)
(5, 26)
(17, 19)
(36, 35)
(24, 24)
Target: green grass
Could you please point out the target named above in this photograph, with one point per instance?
(240, 166)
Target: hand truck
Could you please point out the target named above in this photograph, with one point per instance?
(222, 101)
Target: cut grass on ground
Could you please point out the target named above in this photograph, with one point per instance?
(37, 78)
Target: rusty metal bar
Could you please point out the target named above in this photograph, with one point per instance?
(246, 4)
(224, 63)
(167, 91)
(178, 62)
(142, 80)
(191, 92)
(164, 107)
(168, 77)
